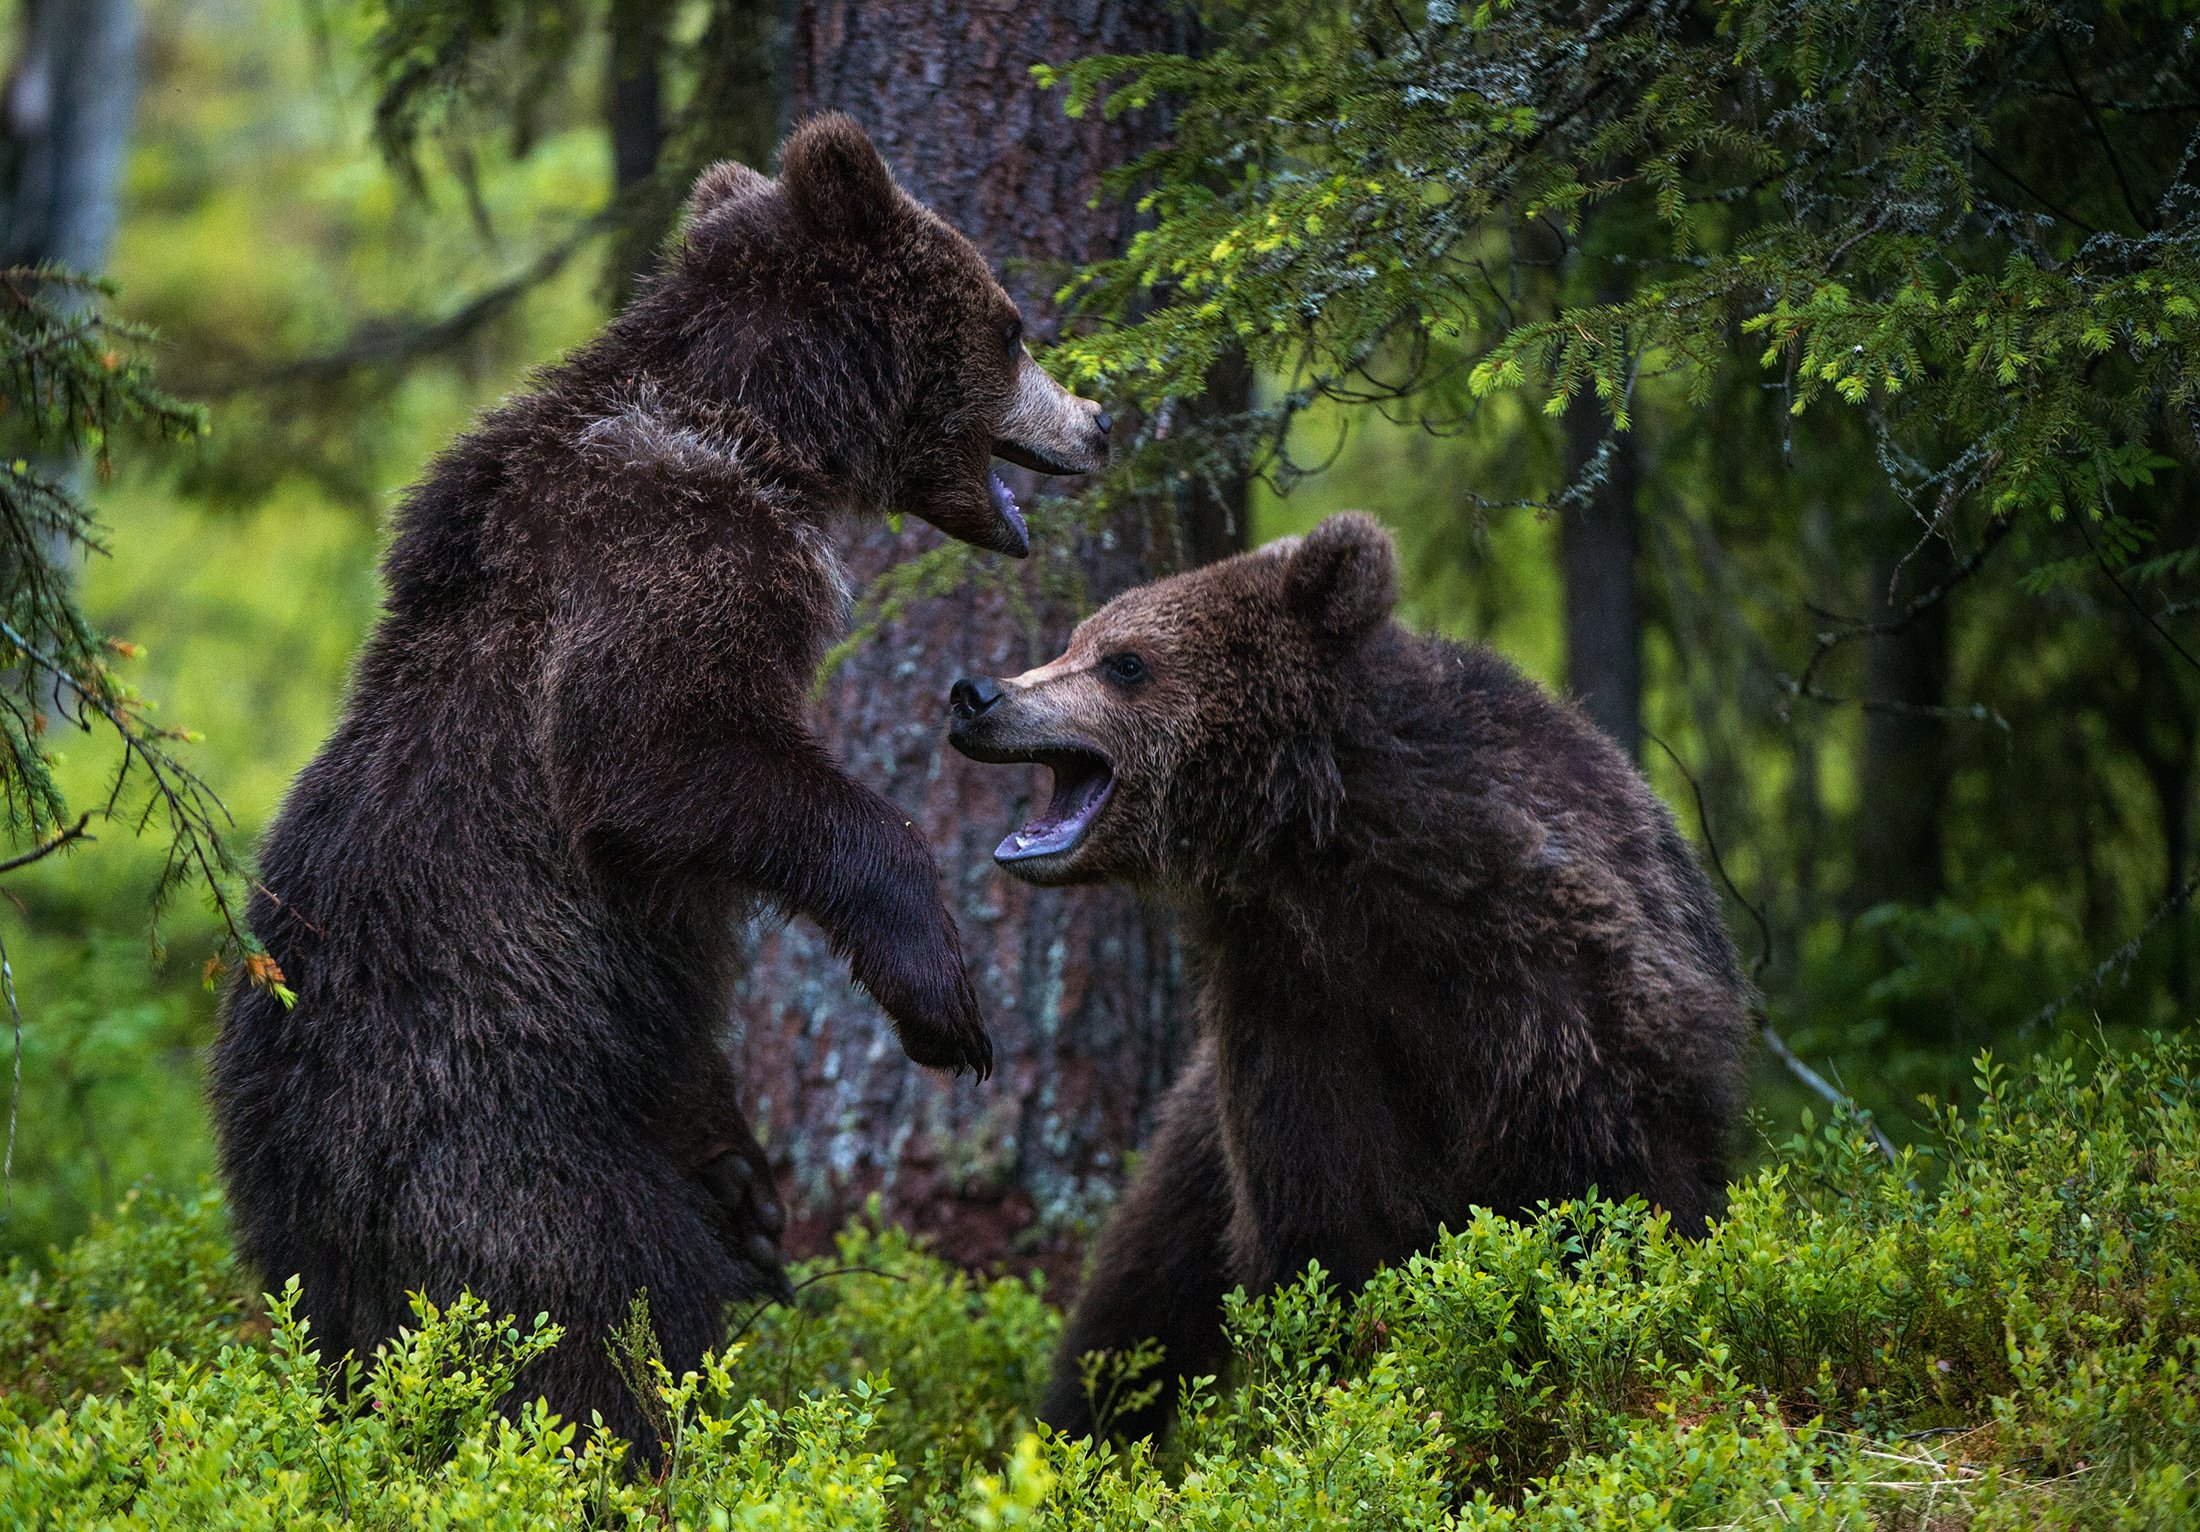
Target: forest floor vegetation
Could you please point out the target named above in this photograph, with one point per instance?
(1998, 1330)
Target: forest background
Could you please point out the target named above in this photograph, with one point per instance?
(1889, 581)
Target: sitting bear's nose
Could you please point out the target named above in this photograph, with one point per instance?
(1103, 422)
(970, 697)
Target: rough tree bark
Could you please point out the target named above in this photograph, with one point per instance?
(1083, 990)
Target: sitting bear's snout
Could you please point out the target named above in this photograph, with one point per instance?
(972, 697)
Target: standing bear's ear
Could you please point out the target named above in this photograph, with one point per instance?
(835, 181)
(1342, 578)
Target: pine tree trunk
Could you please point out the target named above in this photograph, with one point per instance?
(1598, 541)
(1084, 990)
(1903, 777)
(635, 117)
(64, 124)
(64, 127)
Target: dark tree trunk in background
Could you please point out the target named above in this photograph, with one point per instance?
(1215, 520)
(742, 98)
(2158, 721)
(66, 118)
(2173, 787)
(64, 126)
(736, 110)
(1904, 773)
(1083, 989)
(635, 115)
(1598, 540)
(636, 96)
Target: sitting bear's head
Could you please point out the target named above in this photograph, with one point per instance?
(868, 335)
(1192, 722)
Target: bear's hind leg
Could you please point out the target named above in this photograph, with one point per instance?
(708, 1137)
(578, 1235)
(1159, 1271)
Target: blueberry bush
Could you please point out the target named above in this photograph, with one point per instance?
(1999, 1329)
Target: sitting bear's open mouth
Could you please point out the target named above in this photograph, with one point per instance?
(1082, 781)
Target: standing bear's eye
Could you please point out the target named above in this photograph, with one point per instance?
(1124, 669)
(1012, 337)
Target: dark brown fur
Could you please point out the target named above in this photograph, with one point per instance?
(574, 752)
(1454, 952)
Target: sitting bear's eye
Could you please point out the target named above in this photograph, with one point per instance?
(1012, 336)
(1124, 669)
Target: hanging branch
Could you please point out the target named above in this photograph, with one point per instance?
(1849, 628)
(1840, 1100)
(71, 380)
(2123, 957)
(396, 342)
(2124, 591)
(67, 837)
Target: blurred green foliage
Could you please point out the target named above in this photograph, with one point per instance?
(300, 289)
(1998, 1332)
(1890, 308)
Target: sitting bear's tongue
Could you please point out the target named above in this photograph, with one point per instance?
(1081, 785)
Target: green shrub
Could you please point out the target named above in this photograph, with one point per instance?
(964, 1361)
(1996, 1333)
(158, 1276)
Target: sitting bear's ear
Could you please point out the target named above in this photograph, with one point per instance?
(1342, 578)
(727, 181)
(834, 179)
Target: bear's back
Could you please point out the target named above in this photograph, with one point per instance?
(1508, 956)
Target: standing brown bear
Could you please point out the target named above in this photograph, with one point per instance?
(1453, 951)
(574, 753)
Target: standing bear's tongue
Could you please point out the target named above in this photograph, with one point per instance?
(1011, 512)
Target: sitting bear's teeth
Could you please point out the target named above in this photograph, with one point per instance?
(1081, 787)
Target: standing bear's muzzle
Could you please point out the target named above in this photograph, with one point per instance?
(1048, 429)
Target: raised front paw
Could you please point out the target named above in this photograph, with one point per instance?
(959, 1045)
(924, 988)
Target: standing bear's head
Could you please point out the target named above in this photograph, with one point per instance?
(1194, 722)
(868, 336)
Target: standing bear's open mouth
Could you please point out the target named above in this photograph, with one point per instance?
(1023, 456)
(1083, 780)
(1035, 460)
(1004, 504)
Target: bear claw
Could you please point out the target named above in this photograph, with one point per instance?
(954, 1051)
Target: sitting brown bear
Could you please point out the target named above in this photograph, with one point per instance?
(1455, 953)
